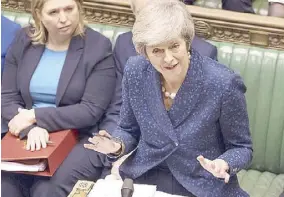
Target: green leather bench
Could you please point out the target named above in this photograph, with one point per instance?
(263, 72)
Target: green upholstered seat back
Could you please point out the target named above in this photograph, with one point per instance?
(263, 73)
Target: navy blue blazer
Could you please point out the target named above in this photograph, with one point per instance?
(8, 32)
(124, 49)
(85, 88)
(208, 117)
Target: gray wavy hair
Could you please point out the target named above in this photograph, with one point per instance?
(162, 21)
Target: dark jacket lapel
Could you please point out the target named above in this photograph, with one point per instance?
(31, 59)
(152, 88)
(73, 56)
(190, 91)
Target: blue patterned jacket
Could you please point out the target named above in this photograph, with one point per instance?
(208, 117)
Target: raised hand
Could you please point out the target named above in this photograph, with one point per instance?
(218, 167)
(103, 143)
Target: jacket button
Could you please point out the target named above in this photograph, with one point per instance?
(176, 143)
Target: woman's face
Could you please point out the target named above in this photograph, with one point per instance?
(60, 17)
(170, 59)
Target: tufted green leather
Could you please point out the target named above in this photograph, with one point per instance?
(109, 31)
(261, 184)
(263, 72)
(259, 6)
(23, 19)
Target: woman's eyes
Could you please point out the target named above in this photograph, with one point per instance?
(52, 12)
(159, 51)
(155, 51)
(175, 46)
(69, 9)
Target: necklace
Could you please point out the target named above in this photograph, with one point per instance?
(168, 94)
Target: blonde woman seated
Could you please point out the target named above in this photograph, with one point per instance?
(183, 114)
(58, 75)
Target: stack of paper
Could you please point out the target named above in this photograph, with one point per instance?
(112, 188)
(162, 194)
(14, 166)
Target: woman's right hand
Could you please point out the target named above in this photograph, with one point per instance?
(37, 139)
(22, 120)
(103, 143)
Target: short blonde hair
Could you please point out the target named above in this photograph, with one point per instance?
(162, 21)
(39, 33)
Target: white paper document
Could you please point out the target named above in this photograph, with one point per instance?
(162, 194)
(14, 166)
(112, 188)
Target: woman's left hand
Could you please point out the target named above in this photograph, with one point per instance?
(103, 143)
(218, 167)
(37, 138)
(21, 121)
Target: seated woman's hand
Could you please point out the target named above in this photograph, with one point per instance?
(103, 143)
(37, 139)
(21, 121)
(218, 167)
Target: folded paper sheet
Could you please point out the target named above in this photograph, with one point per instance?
(16, 166)
(162, 194)
(111, 188)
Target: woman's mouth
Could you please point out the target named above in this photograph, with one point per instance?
(64, 28)
(170, 67)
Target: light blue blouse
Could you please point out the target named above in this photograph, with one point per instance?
(44, 82)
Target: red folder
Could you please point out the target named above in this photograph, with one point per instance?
(14, 150)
